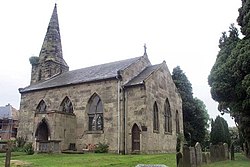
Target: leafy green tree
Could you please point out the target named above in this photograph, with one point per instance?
(195, 117)
(229, 78)
(219, 131)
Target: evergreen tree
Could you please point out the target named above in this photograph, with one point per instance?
(200, 122)
(230, 76)
(219, 131)
(195, 117)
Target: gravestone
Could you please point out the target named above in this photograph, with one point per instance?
(198, 154)
(213, 153)
(232, 151)
(219, 152)
(208, 158)
(226, 152)
(189, 159)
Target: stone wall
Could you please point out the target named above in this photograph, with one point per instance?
(62, 127)
(135, 106)
(134, 69)
(159, 87)
(140, 100)
(79, 96)
(45, 70)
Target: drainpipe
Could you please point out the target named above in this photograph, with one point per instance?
(124, 121)
(118, 113)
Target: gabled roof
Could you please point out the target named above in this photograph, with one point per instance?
(89, 74)
(139, 79)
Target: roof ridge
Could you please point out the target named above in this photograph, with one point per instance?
(83, 75)
(118, 61)
(147, 74)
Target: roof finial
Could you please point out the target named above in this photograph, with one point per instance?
(145, 49)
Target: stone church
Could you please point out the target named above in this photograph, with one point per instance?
(131, 105)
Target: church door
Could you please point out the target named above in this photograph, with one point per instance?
(42, 132)
(135, 138)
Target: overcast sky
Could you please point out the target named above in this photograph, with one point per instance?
(184, 33)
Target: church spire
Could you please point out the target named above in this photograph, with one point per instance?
(50, 62)
(52, 47)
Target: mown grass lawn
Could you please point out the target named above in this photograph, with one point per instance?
(102, 160)
(240, 161)
(89, 160)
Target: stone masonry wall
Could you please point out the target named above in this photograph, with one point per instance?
(134, 69)
(135, 114)
(79, 96)
(158, 87)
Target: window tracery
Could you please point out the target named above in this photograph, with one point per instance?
(95, 113)
(66, 105)
(42, 107)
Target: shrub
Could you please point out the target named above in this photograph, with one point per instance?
(20, 141)
(102, 148)
(28, 148)
(17, 149)
(34, 60)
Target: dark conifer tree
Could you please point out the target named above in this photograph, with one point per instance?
(229, 78)
(195, 117)
(219, 131)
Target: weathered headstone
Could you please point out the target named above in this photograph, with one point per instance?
(232, 151)
(208, 158)
(189, 159)
(226, 152)
(219, 152)
(198, 154)
(214, 153)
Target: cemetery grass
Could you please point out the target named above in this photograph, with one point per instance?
(240, 161)
(88, 160)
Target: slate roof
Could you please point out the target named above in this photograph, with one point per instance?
(88, 74)
(139, 79)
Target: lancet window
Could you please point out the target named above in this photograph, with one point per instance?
(95, 113)
(41, 107)
(167, 117)
(66, 105)
(155, 118)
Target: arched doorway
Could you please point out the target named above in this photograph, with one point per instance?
(135, 138)
(42, 131)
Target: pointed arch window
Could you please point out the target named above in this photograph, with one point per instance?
(155, 118)
(95, 113)
(177, 122)
(66, 105)
(41, 107)
(167, 117)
